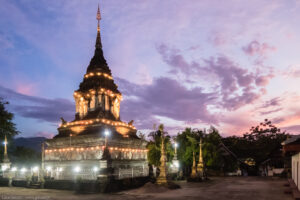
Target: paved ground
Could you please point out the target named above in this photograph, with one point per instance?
(233, 188)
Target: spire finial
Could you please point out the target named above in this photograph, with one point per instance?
(98, 40)
(98, 18)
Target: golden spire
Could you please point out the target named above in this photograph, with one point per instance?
(5, 146)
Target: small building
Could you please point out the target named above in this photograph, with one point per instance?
(291, 150)
(96, 142)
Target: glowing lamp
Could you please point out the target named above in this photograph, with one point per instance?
(77, 169)
(95, 169)
(4, 167)
(176, 144)
(23, 170)
(106, 132)
(35, 169)
(14, 169)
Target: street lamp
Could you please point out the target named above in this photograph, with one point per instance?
(175, 162)
(14, 169)
(35, 169)
(48, 168)
(23, 170)
(95, 169)
(77, 169)
(175, 145)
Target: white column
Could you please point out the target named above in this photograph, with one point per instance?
(93, 102)
(77, 104)
(106, 102)
(85, 108)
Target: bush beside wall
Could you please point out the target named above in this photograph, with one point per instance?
(4, 182)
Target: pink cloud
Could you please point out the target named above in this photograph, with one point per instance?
(44, 134)
(263, 80)
(27, 89)
(259, 49)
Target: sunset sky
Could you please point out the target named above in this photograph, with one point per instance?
(226, 63)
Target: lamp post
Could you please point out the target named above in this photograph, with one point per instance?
(6, 163)
(70, 139)
(106, 133)
(175, 162)
(5, 158)
(175, 145)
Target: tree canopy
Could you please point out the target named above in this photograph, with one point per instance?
(154, 146)
(7, 127)
(258, 144)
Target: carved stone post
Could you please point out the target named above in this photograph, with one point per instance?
(193, 174)
(200, 163)
(162, 178)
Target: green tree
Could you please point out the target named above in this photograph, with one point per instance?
(263, 139)
(7, 127)
(23, 156)
(154, 146)
(257, 144)
(213, 157)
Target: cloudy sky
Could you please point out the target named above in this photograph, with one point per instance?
(227, 63)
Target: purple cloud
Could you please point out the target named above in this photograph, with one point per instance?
(174, 58)
(293, 129)
(237, 86)
(165, 97)
(257, 48)
(272, 102)
(271, 111)
(49, 110)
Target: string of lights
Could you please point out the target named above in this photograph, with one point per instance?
(98, 120)
(91, 74)
(95, 148)
(100, 91)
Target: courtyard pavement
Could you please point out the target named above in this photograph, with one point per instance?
(233, 188)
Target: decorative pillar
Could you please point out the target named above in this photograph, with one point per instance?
(77, 105)
(81, 108)
(103, 102)
(193, 174)
(106, 103)
(5, 165)
(200, 163)
(5, 158)
(162, 178)
(93, 103)
(85, 108)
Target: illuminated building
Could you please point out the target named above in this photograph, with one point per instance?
(79, 146)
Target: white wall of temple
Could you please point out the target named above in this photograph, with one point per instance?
(90, 170)
(68, 154)
(296, 169)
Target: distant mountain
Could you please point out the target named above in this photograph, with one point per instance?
(32, 142)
